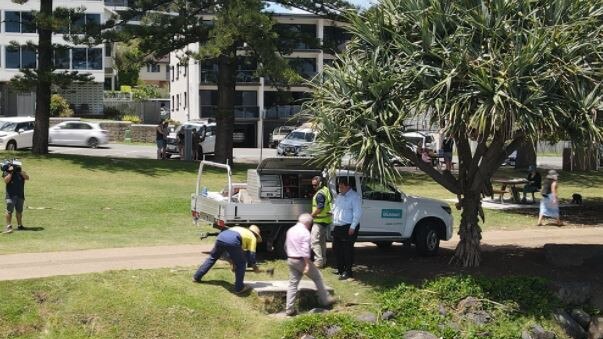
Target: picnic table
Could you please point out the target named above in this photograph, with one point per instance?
(512, 183)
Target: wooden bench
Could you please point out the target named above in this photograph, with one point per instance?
(501, 194)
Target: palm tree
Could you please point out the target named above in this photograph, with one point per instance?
(496, 72)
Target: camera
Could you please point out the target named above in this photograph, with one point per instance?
(16, 164)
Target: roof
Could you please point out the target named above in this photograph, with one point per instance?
(17, 119)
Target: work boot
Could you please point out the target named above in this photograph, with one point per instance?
(243, 290)
(290, 313)
(20, 228)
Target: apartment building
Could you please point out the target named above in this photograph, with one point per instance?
(17, 26)
(259, 106)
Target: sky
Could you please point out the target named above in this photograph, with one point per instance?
(361, 3)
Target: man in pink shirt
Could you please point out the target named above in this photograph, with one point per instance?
(298, 260)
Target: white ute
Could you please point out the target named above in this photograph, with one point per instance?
(279, 190)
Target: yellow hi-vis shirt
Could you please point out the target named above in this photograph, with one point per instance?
(249, 242)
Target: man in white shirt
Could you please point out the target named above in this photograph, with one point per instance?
(347, 210)
(298, 260)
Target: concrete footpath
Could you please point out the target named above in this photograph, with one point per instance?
(37, 265)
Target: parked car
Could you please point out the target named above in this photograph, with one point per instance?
(297, 143)
(207, 131)
(16, 132)
(78, 133)
(420, 139)
(278, 134)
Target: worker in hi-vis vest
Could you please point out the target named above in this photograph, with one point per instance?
(321, 212)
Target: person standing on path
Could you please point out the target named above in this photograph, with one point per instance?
(549, 205)
(447, 147)
(161, 134)
(347, 210)
(240, 244)
(299, 263)
(14, 178)
(321, 212)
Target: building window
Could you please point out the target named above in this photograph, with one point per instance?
(297, 36)
(335, 39)
(20, 57)
(108, 49)
(85, 23)
(185, 67)
(177, 102)
(172, 105)
(184, 100)
(95, 58)
(19, 22)
(177, 71)
(61, 58)
(172, 72)
(79, 58)
(305, 67)
(13, 57)
(153, 68)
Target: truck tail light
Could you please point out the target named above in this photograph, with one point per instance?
(195, 214)
(220, 223)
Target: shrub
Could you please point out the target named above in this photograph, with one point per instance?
(59, 107)
(135, 119)
(112, 112)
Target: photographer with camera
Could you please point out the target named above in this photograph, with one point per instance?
(14, 177)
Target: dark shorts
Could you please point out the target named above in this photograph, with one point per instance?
(14, 203)
(447, 156)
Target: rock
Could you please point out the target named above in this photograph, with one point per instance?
(318, 310)
(595, 330)
(479, 317)
(388, 315)
(418, 335)
(581, 317)
(307, 336)
(442, 310)
(469, 304)
(569, 325)
(367, 318)
(573, 293)
(332, 330)
(537, 332)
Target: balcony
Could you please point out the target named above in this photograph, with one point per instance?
(282, 112)
(240, 112)
(243, 76)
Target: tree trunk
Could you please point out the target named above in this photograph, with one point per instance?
(526, 155)
(585, 158)
(40, 137)
(225, 113)
(468, 253)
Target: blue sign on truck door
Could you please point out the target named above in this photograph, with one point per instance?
(391, 213)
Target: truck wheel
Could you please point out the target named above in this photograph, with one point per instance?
(383, 244)
(427, 240)
(11, 146)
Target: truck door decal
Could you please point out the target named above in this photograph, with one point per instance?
(391, 213)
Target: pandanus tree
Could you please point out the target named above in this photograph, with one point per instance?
(495, 73)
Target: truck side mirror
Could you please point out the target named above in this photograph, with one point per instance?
(21, 130)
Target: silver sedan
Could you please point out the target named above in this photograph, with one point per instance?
(77, 133)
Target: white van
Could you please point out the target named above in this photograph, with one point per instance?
(207, 132)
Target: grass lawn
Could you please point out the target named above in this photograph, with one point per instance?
(79, 202)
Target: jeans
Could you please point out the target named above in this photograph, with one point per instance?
(230, 242)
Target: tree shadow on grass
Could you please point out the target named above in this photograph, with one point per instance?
(385, 269)
(589, 213)
(148, 167)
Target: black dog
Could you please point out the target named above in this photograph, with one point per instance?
(576, 199)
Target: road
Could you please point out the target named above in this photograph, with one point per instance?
(241, 155)
(138, 151)
(38, 265)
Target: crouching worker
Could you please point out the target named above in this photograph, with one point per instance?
(240, 244)
(298, 260)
